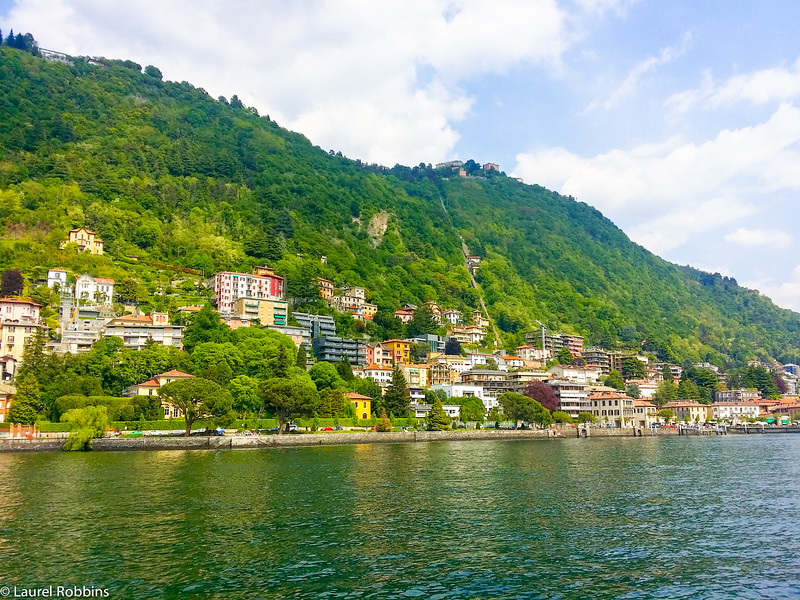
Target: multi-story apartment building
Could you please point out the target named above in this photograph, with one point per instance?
(581, 374)
(326, 288)
(416, 375)
(378, 355)
(19, 320)
(572, 396)
(614, 408)
(451, 316)
(229, 286)
(137, 330)
(382, 375)
(399, 350)
(319, 325)
(734, 411)
(266, 312)
(301, 336)
(644, 413)
(336, 349)
(494, 383)
(739, 395)
(598, 358)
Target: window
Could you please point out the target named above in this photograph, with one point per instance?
(166, 412)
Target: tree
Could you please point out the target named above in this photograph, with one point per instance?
(289, 398)
(87, 423)
(345, 370)
(633, 368)
(26, 403)
(153, 72)
(518, 407)
(244, 393)
(384, 424)
(472, 409)
(614, 380)
(687, 390)
(437, 419)
(198, 398)
(495, 415)
(633, 390)
(666, 414)
(301, 360)
(559, 416)
(324, 375)
(586, 417)
(666, 373)
(206, 327)
(666, 391)
(452, 347)
(332, 403)
(564, 356)
(491, 364)
(422, 322)
(396, 399)
(11, 283)
(542, 393)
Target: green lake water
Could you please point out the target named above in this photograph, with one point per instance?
(668, 517)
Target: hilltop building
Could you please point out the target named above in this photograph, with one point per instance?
(87, 240)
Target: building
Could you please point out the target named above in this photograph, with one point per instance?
(301, 336)
(405, 315)
(493, 382)
(446, 368)
(151, 387)
(581, 374)
(509, 363)
(94, 290)
(436, 343)
(362, 404)
(229, 286)
(740, 395)
(326, 288)
(399, 351)
(451, 316)
(532, 354)
(644, 413)
(518, 379)
(8, 368)
(19, 320)
(415, 375)
(382, 375)
(86, 239)
(450, 164)
(572, 396)
(378, 355)
(689, 410)
(6, 394)
(599, 358)
(436, 311)
(466, 390)
(266, 312)
(57, 279)
(334, 349)
(421, 410)
(467, 334)
(319, 325)
(478, 318)
(491, 167)
(137, 330)
(734, 411)
(478, 359)
(614, 408)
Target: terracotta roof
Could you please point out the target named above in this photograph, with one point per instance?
(99, 280)
(83, 228)
(174, 373)
(133, 319)
(190, 308)
(149, 383)
(641, 402)
(18, 301)
(58, 269)
(378, 367)
(607, 395)
(356, 396)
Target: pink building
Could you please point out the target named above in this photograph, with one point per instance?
(14, 309)
(229, 286)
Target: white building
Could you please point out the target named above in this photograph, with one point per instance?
(734, 411)
(451, 316)
(136, 331)
(580, 374)
(57, 277)
(382, 375)
(93, 290)
(229, 286)
(463, 390)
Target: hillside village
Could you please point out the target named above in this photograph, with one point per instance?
(449, 356)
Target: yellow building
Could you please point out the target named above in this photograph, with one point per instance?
(267, 312)
(86, 239)
(363, 404)
(689, 410)
(416, 375)
(399, 351)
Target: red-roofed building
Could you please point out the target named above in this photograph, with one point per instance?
(151, 387)
(137, 330)
(363, 404)
(382, 375)
(613, 407)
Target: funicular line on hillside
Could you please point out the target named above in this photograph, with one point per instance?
(475, 285)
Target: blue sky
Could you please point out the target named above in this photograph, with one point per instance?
(679, 120)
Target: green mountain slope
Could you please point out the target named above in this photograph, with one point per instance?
(167, 174)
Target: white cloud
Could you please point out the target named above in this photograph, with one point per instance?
(672, 191)
(630, 84)
(379, 81)
(759, 237)
(778, 84)
(786, 294)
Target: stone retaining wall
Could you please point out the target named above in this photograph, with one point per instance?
(313, 439)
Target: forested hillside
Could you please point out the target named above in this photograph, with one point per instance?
(167, 174)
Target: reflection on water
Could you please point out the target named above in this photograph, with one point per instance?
(597, 518)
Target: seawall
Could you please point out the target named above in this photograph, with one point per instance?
(309, 439)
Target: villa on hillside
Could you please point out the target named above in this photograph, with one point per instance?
(151, 387)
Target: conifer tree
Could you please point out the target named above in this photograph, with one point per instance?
(396, 399)
(301, 360)
(437, 419)
(26, 402)
(384, 424)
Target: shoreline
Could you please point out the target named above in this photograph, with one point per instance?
(233, 442)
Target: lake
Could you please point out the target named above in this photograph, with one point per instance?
(656, 517)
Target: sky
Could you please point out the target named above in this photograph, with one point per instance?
(679, 120)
